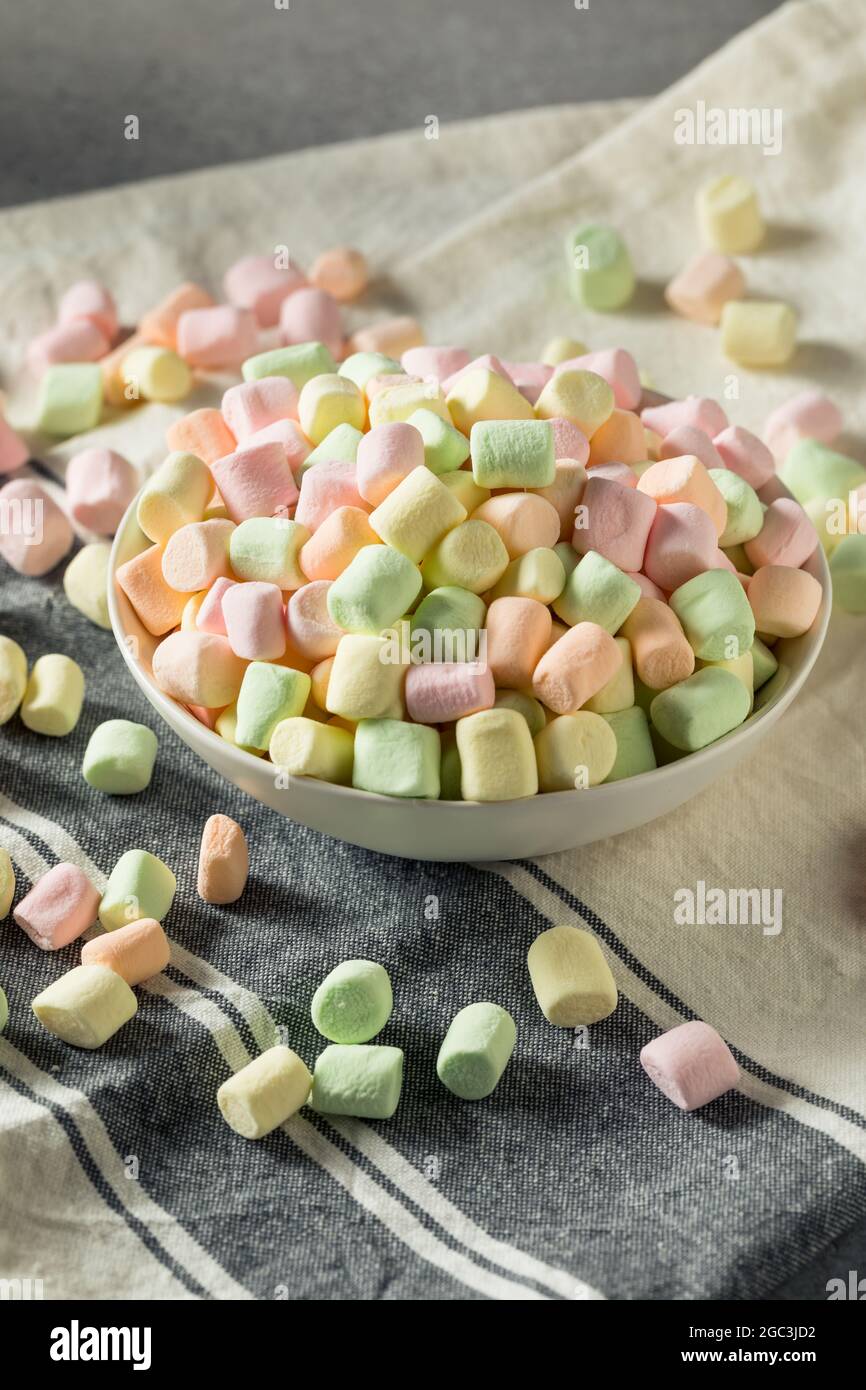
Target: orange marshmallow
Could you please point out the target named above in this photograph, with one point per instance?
(660, 650)
(785, 601)
(564, 493)
(392, 337)
(158, 606)
(224, 861)
(575, 668)
(196, 555)
(523, 520)
(198, 668)
(685, 479)
(518, 634)
(341, 272)
(203, 433)
(135, 952)
(159, 324)
(335, 544)
(620, 439)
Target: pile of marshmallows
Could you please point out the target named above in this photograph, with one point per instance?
(571, 980)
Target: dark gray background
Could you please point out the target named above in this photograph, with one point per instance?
(219, 80)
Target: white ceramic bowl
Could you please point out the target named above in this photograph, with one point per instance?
(457, 830)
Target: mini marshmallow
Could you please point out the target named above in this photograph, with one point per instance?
(530, 378)
(198, 668)
(744, 453)
(312, 315)
(268, 548)
(758, 333)
(197, 555)
(729, 218)
(375, 589)
(497, 757)
(512, 453)
(336, 542)
(450, 616)
(660, 649)
(339, 445)
(87, 299)
(400, 399)
(811, 471)
(268, 694)
(265, 1093)
(299, 363)
(634, 748)
(539, 574)
(203, 433)
(560, 349)
(582, 397)
(53, 696)
(785, 601)
(617, 367)
(253, 405)
(363, 685)
(100, 484)
(597, 591)
(684, 479)
(526, 706)
(155, 374)
(70, 398)
(686, 440)
(176, 494)
(481, 394)
(703, 287)
(312, 631)
(575, 668)
(259, 284)
(701, 412)
(476, 1050)
(221, 336)
(564, 493)
(438, 362)
(574, 750)
(392, 336)
(139, 885)
(35, 534)
(808, 415)
(518, 634)
(569, 442)
(328, 401)
(701, 709)
(386, 455)
(464, 488)
(324, 487)
(787, 536)
(848, 571)
(394, 758)
(60, 906)
(135, 952)
(445, 448)
(472, 557)
(362, 1080)
(353, 1003)
(255, 622)
(119, 757)
(690, 1064)
(13, 679)
(362, 367)
(745, 515)
(439, 692)
(416, 514)
(157, 605)
(715, 615)
(77, 340)
(621, 439)
(223, 862)
(682, 542)
(601, 274)
(159, 324)
(86, 1006)
(255, 481)
(618, 694)
(571, 978)
(341, 272)
(615, 521)
(304, 748)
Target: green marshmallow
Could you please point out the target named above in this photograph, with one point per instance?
(634, 748)
(353, 1003)
(119, 757)
(139, 885)
(701, 709)
(773, 687)
(4, 1010)
(512, 453)
(812, 471)
(361, 367)
(445, 448)
(268, 694)
(267, 548)
(527, 705)
(738, 557)
(358, 1080)
(375, 589)
(538, 574)
(597, 592)
(300, 363)
(600, 268)
(568, 556)
(476, 1050)
(716, 615)
(450, 768)
(340, 446)
(848, 572)
(453, 618)
(395, 758)
(764, 663)
(70, 398)
(643, 694)
(745, 513)
(665, 753)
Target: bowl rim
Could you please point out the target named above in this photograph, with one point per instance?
(248, 764)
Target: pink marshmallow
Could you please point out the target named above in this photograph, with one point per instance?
(683, 542)
(34, 533)
(616, 472)
(324, 488)
(386, 455)
(487, 360)
(60, 906)
(438, 362)
(255, 481)
(253, 405)
(569, 442)
(438, 692)
(647, 587)
(310, 625)
(87, 299)
(291, 438)
(13, 450)
(100, 484)
(745, 455)
(699, 411)
(208, 717)
(690, 1064)
(617, 367)
(256, 283)
(787, 536)
(530, 378)
(615, 521)
(221, 336)
(312, 316)
(686, 439)
(77, 340)
(210, 615)
(808, 415)
(255, 621)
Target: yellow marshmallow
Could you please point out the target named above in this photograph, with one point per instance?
(481, 394)
(497, 758)
(226, 725)
(574, 750)
(327, 401)
(13, 677)
(562, 350)
(758, 333)
(729, 218)
(362, 685)
(54, 696)
(155, 374)
(86, 1006)
(472, 556)
(304, 748)
(417, 514)
(582, 397)
(85, 582)
(190, 612)
(177, 493)
(397, 403)
(265, 1093)
(571, 979)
